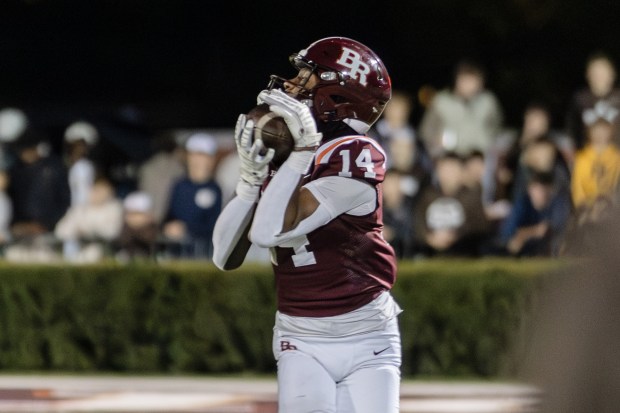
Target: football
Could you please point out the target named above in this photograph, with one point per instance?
(272, 130)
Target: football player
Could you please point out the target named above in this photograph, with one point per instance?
(336, 336)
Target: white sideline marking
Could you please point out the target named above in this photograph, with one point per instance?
(467, 406)
(152, 402)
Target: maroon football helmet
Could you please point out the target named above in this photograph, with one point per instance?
(354, 85)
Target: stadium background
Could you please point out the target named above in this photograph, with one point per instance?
(166, 64)
(137, 66)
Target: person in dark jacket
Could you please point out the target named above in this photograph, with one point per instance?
(195, 201)
(39, 187)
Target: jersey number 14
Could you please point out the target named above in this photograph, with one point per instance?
(363, 161)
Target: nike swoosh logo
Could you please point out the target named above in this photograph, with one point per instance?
(376, 353)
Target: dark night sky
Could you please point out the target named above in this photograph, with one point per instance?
(199, 63)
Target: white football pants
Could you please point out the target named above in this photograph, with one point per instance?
(354, 374)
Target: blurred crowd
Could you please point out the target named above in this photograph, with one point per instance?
(65, 207)
(465, 184)
(459, 183)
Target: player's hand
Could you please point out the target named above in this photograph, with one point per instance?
(297, 116)
(254, 166)
(260, 99)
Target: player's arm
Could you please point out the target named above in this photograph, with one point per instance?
(283, 202)
(287, 211)
(331, 196)
(280, 219)
(230, 235)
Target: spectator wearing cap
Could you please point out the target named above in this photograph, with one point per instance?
(38, 187)
(195, 201)
(80, 137)
(139, 232)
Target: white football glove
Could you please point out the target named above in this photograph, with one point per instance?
(254, 166)
(297, 116)
(260, 97)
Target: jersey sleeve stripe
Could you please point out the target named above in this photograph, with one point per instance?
(326, 152)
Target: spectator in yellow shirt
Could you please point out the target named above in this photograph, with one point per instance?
(596, 171)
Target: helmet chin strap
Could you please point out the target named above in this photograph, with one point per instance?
(357, 125)
(339, 114)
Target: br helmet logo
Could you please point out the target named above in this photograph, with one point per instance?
(353, 60)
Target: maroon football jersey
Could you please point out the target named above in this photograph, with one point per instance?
(345, 264)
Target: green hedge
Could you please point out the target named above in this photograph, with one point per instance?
(459, 316)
